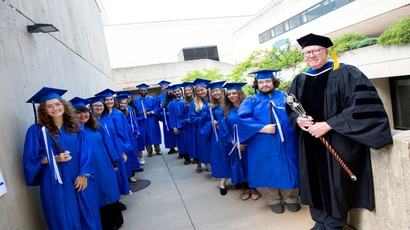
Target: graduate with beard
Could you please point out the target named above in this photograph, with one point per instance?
(344, 107)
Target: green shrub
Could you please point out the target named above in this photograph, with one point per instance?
(304, 69)
(364, 43)
(284, 86)
(398, 33)
(344, 42)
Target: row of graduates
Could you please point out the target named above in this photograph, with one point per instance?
(82, 159)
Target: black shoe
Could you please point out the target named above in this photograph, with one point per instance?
(277, 208)
(123, 207)
(139, 170)
(223, 191)
(239, 185)
(172, 150)
(293, 207)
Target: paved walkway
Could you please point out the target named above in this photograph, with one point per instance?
(179, 198)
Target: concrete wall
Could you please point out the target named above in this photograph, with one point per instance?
(128, 78)
(74, 58)
(160, 42)
(346, 19)
(392, 184)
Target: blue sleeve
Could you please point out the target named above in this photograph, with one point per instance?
(173, 105)
(109, 146)
(182, 115)
(247, 124)
(205, 123)
(34, 153)
(121, 137)
(86, 165)
(193, 116)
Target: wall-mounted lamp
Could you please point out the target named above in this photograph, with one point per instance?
(43, 28)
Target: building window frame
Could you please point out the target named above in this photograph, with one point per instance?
(398, 101)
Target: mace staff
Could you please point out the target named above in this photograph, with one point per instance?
(298, 108)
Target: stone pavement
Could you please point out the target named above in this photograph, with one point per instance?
(179, 198)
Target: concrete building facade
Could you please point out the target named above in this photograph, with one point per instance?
(75, 58)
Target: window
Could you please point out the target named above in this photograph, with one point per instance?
(286, 25)
(328, 5)
(279, 29)
(266, 36)
(294, 22)
(340, 3)
(209, 52)
(313, 12)
(400, 89)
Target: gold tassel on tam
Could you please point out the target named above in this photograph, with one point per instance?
(336, 63)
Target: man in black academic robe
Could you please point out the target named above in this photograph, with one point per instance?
(345, 108)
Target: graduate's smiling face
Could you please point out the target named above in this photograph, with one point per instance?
(315, 56)
(201, 91)
(177, 93)
(233, 95)
(216, 93)
(188, 92)
(143, 92)
(129, 99)
(164, 89)
(83, 116)
(98, 108)
(54, 108)
(123, 104)
(266, 86)
(109, 102)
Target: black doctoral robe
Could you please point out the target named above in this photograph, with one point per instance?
(352, 107)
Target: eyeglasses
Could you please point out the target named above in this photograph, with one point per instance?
(314, 52)
(56, 105)
(98, 106)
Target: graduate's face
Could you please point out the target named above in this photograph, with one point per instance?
(216, 93)
(233, 95)
(109, 102)
(266, 86)
(83, 116)
(143, 92)
(54, 108)
(315, 56)
(123, 104)
(188, 92)
(201, 91)
(177, 93)
(129, 99)
(98, 108)
(164, 89)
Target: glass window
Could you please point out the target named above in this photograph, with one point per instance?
(200, 53)
(260, 38)
(304, 17)
(272, 33)
(313, 12)
(328, 6)
(212, 53)
(286, 25)
(266, 36)
(279, 29)
(189, 54)
(294, 22)
(400, 89)
(340, 3)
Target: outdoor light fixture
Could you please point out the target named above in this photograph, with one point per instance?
(43, 28)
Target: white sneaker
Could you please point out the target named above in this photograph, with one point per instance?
(132, 179)
(142, 161)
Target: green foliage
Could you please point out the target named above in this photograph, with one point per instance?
(304, 69)
(210, 74)
(364, 43)
(248, 90)
(284, 86)
(398, 33)
(237, 74)
(282, 58)
(344, 42)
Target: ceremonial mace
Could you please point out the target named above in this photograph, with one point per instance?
(298, 108)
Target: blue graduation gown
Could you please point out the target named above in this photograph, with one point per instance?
(133, 162)
(63, 206)
(121, 144)
(189, 128)
(142, 132)
(218, 154)
(105, 179)
(272, 163)
(175, 109)
(169, 136)
(149, 123)
(203, 146)
(239, 167)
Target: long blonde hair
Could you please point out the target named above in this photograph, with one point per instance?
(229, 104)
(199, 104)
(214, 102)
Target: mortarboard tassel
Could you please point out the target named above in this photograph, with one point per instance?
(336, 63)
(35, 113)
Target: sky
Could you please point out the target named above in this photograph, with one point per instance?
(136, 11)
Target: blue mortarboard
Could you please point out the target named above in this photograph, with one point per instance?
(163, 83)
(188, 84)
(106, 93)
(176, 86)
(96, 99)
(142, 86)
(45, 94)
(313, 39)
(79, 102)
(265, 74)
(234, 85)
(123, 93)
(201, 82)
(122, 97)
(216, 85)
